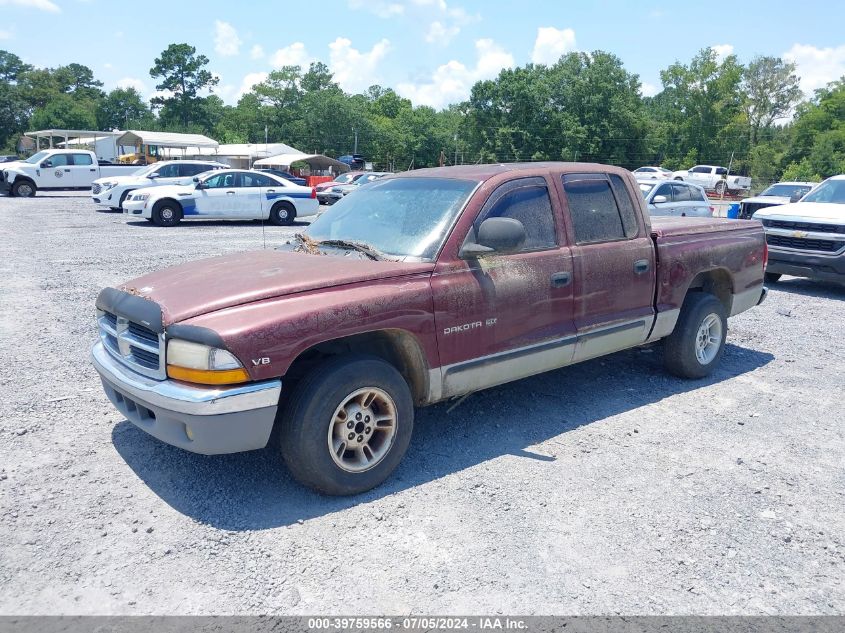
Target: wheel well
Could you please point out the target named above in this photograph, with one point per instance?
(678, 178)
(171, 200)
(397, 347)
(717, 282)
(285, 203)
(24, 179)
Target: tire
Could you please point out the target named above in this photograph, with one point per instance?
(166, 213)
(282, 214)
(771, 278)
(338, 390)
(684, 352)
(721, 187)
(24, 189)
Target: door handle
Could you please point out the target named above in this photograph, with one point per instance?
(92, 170)
(271, 191)
(230, 193)
(67, 170)
(559, 280)
(641, 266)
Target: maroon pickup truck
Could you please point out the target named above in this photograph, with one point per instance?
(419, 288)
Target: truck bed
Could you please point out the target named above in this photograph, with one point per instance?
(687, 247)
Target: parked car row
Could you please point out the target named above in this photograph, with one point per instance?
(711, 177)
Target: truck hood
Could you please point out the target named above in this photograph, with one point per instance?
(772, 200)
(208, 285)
(804, 211)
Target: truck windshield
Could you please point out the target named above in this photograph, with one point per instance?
(828, 191)
(786, 191)
(401, 217)
(37, 158)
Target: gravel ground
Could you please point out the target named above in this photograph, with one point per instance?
(608, 487)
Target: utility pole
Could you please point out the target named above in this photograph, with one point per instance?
(456, 150)
(355, 151)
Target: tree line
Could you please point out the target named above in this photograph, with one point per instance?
(585, 107)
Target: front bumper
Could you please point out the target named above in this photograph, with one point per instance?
(5, 187)
(812, 266)
(201, 419)
(136, 208)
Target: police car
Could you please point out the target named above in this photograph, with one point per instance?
(226, 194)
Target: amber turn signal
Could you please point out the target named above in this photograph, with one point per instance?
(208, 376)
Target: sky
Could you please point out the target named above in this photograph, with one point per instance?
(430, 51)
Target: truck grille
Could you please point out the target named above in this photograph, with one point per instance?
(804, 226)
(95, 188)
(748, 209)
(134, 345)
(824, 246)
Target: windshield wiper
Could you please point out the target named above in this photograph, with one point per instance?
(361, 247)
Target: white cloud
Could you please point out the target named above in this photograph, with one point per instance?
(257, 52)
(649, 90)
(132, 82)
(293, 55)
(453, 81)
(378, 7)
(248, 82)
(107, 66)
(722, 51)
(42, 5)
(354, 70)
(817, 67)
(551, 43)
(226, 40)
(5, 35)
(438, 33)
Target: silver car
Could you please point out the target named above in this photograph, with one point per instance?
(675, 198)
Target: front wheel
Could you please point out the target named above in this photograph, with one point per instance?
(347, 425)
(697, 343)
(23, 189)
(166, 213)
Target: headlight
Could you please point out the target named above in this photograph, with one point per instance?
(194, 362)
(141, 196)
(107, 185)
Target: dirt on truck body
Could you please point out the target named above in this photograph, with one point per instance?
(421, 287)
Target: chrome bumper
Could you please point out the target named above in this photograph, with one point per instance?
(208, 420)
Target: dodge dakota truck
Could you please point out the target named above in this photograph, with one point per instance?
(424, 286)
(56, 169)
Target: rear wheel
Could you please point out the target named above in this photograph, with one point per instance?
(347, 425)
(696, 345)
(24, 189)
(282, 214)
(166, 213)
(771, 278)
(721, 187)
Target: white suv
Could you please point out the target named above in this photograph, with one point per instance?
(111, 192)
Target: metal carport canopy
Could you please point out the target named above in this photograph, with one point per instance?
(317, 161)
(166, 139)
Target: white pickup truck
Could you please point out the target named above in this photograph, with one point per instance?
(714, 178)
(56, 169)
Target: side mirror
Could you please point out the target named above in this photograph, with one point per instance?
(153, 175)
(47, 163)
(659, 199)
(496, 235)
(796, 197)
(201, 185)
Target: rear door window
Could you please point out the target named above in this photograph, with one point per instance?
(82, 159)
(596, 214)
(682, 192)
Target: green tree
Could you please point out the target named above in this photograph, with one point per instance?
(123, 108)
(14, 111)
(771, 91)
(183, 75)
(65, 112)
